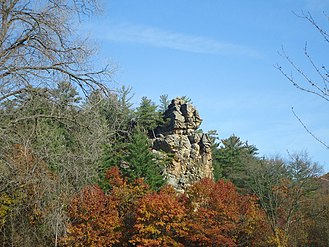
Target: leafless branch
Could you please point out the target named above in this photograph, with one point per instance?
(36, 47)
(308, 131)
(317, 90)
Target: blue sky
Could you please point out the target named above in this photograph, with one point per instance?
(222, 54)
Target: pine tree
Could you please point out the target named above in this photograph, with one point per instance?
(142, 163)
(148, 118)
(164, 103)
(231, 158)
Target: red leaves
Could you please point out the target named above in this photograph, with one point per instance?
(99, 219)
(209, 214)
(94, 220)
(220, 216)
(215, 213)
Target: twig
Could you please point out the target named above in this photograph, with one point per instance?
(307, 130)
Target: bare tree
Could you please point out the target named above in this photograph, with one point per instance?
(317, 83)
(49, 148)
(38, 46)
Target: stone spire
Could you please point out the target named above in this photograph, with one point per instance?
(191, 150)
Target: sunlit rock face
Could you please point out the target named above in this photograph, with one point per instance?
(191, 150)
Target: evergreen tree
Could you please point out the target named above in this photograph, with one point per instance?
(65, 95)
(148, 118)
(135, 160)
(231, 158)
(186, 99)
(142, 163)
(164, 103)
(113, 156)
(113, 110)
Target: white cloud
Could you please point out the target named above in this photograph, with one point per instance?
(126, 32)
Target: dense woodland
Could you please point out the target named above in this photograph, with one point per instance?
(76, 168)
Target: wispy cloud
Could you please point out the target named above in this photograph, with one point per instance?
(126, 32)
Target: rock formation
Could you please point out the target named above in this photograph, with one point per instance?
(191, 150)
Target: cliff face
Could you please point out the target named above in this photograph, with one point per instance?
(191, 150)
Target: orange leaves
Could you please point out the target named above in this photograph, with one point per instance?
(209, 214)
(252, 226)
(30, 186)
(99, 219)
(220, 216)
(160, 219)
(215, 213)
(114, 177)
(94, 220)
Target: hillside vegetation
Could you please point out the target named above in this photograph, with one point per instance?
(77, 167)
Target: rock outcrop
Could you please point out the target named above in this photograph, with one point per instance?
(191, 150)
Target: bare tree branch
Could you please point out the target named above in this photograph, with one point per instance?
(317, 86)
(37, 49)
(308, 131)
(316, 91)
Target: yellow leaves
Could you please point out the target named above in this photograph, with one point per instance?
(161, 219)
(279, 239)
(6, 203)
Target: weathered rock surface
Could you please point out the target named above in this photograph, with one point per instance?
(191, 150)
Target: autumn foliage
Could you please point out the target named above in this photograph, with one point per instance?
(25, 202)
(161, 219)
(220, 216)
(94, 219)
(130, 214)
